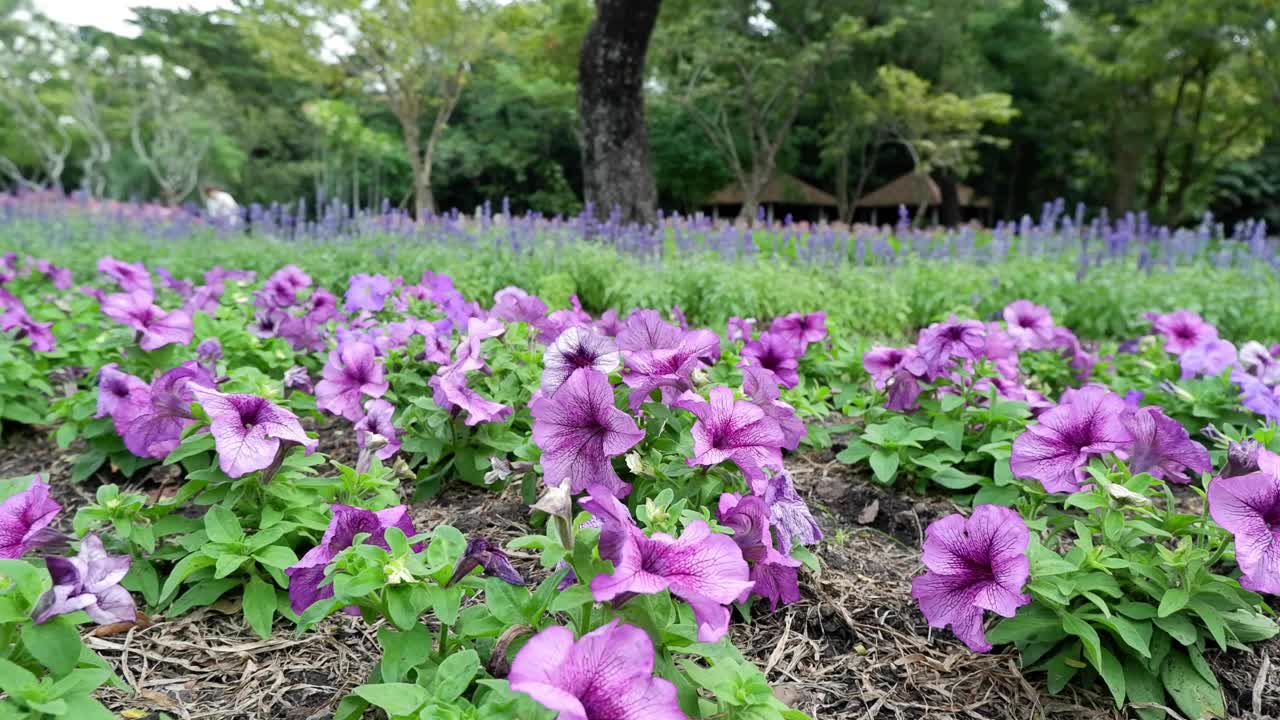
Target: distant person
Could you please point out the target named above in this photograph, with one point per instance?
(220, 206)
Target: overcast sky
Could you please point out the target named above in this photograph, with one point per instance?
(114, 15)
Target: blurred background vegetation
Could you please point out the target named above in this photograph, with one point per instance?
(1168, 106)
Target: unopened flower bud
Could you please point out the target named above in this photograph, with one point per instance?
(1126, 497)
(397, 572)
(1242, 458)
(636, 465)
(558, 503)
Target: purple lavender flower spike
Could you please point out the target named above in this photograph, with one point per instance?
(1162, 448)
(349, 373)
(248, 430)
(704, 569)
(1030, 325)
(941, 343)
(90, 581)
(974, 564)
(1248, 506)
(1055, 449)
(481, 553)
(577, 348)
(307, 576)
(789, 514)
(1208, 359)
(762, 387)
(734, 430)
(367, 292)
(25, 519)
(777, 354)
(607, 675)
(377, 421)
(579, 430)
(1182, 330)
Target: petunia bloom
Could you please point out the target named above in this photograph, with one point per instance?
(1030, 324)
(90, 581)
(25, 519)
(156, 327)
(1161, 446)
(606, 675)
(941, 343)
(761, 386)
(773, 575)
(704, 569)
(377, 421)
(121, 395)
(154, 429)
(306, 577)
(130, 276)
(1242, 458)
(1183, 330)
(734, 430)
(789, 514)
(515, 305)
(577, 348)
(297, 378)
(1257, 360)
(1055, 449)
(1248, 506)
(737, 328)
(248, 430)
(367, 292)
(350, 373)
(579, 430)
(973, 564)
(646, 330)
(777, 354)
(801, 329)
(1209, 358)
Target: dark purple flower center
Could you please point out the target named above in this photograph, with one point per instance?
(580, 357)
(1184, 332)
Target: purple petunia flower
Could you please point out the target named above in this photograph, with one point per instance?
(734, 430)
(607, 675)
(155, 429)
(349, 373)
(297, 378)
(38, 334)
(449, 384)
(1209, 358)
(1248, 506)
(481, 553)
(248, 431)
(130, 276)
(121, 395)
(512, 304)
(761, 386)
(1242, 458)
(367, 292)
(1055, 449)
(800, 329)
(974, 564)
(1257, 360)
(377, 421)
(941, 343)
(1257, 396)
(1161, 446)
(608, 324)
(737, 328)
(307, 575)
(789, 514)
(281, 289)
(704, 569)
(156, 327)
(90, 581)
(1030, 325)
(209, 351)
(577, 348)
(579, 429)
(646, 330)
(25, 519)
(1182, 330)
(774, 575)
(777, 354)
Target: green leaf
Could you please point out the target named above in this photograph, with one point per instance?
(955, 479)
(1249, 626)
(205, 592)
(83, 707)
(1113, 675)
(403, 650)
(56, 644)
(455, 674)
(884, 463)
(1143, 687)
(1088, 637)
(185, 568)
(1174, 600)
(1034, 622)
(15, 679)
(222, 526)
(276, 556)
(395, 698)
(1195, 696)
(259, 606)
(1179, 627)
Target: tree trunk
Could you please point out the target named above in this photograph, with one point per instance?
(844, 208)
(1129, 138)
(950, 199)
(615, 148)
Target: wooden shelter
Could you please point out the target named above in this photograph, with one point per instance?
(912, 190)
(783, 195)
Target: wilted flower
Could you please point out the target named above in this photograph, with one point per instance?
(297, 378)
(156, 327)
(704, 569)
(577, 348)
(773, 575)
(501, 469)
(1248, 506)
(579, 430)
(25, 519)
(377, 421)
(307, 575)
(941, 343)
(483, 554)
(1182, 330)
(734, 430)
(1055, 449)
(1161, 446)
(90, 581)
(973, 565)
(1242, 458)
(248, 430)
(1030, 325)
(349, 373)
(789, 514)
(606, 675)
(1209, 358)
(777, 354)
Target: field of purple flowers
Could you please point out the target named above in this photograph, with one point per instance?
(350, 476)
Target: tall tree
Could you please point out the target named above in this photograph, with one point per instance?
(615, 145)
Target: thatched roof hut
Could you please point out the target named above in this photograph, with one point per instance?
(911, 189)
(783, 195)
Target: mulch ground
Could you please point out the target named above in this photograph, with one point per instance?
(854, 646)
